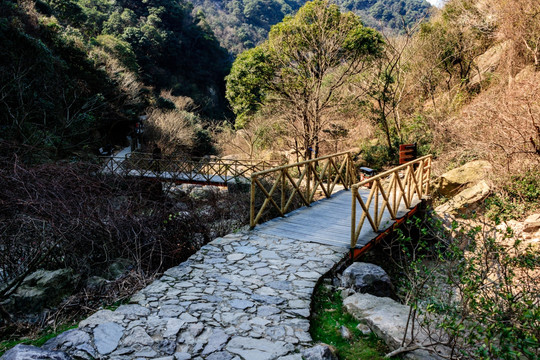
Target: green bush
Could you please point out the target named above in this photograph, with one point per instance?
(473, 287)
(518, 197)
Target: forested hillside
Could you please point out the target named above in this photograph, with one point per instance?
(75, 73)
(242, 24)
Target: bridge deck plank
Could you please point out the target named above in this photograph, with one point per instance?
(327, 221)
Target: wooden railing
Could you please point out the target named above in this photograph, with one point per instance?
(205, 170)
(299, 182)
(390, 190)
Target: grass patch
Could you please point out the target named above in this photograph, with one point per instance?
(327, 318)
(36, 340)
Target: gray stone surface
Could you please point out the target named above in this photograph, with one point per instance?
(367, 278)
(107, 336)
(243, 296)
(69, 338)
(26, 352)
(320, 352)
(388, 319)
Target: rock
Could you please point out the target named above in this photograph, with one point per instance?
(96, 282)
(489, 61)
(367, 278)
(454, 180)
(532, 224)
(70, 338)
(388, 319)
(107, 336)
(101, 317)
(173, 327)
(258, 349)
(41, 289)
(182, 356)
(203, 192)
(466, 200)
(26, 352)
(222, 355)
(216, 342)
(345, 332)
(241, 304)
(235, 257)
(363, 328)
(118, 268)
(138, 336)
(320, 352)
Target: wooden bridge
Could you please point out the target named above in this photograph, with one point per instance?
(320, 200)
(357, 218)
(207, 170)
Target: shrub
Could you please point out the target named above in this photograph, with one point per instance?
(471, 287)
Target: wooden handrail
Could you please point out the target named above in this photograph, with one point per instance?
(322, 173)
(396, 192)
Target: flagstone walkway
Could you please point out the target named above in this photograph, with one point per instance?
(244, 296)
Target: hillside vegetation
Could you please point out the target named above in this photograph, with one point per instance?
(242, 24)
(77, 73)
(463, 86)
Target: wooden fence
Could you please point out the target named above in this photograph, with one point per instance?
(202, 170)
(390, 190)
(281, 186)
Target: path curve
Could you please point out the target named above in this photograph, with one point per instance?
(243, 296)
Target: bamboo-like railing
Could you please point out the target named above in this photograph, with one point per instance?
(299, 181)
(206, 170)
(389, 190)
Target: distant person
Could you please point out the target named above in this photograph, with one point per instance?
(156, 156)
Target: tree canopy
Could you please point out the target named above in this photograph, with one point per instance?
(303, 70)
(243, 24)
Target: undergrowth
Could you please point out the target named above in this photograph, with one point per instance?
(327, 318)
(38, 339)
(517, 198)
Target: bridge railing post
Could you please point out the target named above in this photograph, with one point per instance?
(252, 203)
(354, 193)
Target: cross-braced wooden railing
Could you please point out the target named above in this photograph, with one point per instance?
(390, 190)
(209, 170)
(281, 187)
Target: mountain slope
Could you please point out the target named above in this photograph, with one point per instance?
(75, 73)
(242, 24)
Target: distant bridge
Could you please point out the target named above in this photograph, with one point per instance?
(209, 171)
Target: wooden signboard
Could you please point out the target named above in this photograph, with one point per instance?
(407, 152)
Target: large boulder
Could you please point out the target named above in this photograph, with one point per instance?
(41, 289)
(465, 200)
(27, 352)
(388, 319)
(531, 226)
(367, 278)
(203, 192)
(489, 61)
(464, 176)
(320, 352)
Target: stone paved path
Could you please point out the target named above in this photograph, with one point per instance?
(244, 296)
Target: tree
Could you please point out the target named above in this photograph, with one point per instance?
(308, 61)
(386, 85)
